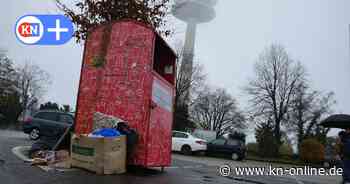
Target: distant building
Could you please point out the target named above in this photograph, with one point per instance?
(192, 12)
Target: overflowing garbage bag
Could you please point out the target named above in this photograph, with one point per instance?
(131, 137)
(104, 123)
(105, 132)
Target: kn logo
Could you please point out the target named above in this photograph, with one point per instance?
(44, 29)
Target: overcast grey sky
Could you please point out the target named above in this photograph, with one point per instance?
(316, 32)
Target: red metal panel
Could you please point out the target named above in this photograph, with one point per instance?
(160, 129)
(129, 80)
(123, 88)
(87, 87)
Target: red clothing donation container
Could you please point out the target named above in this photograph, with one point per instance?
(135, 82)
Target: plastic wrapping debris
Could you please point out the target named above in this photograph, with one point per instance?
(60, 159)
(39, 161)
(132, 137)
(55, 159)
(101, 120)
(105, 132)
(50, 157)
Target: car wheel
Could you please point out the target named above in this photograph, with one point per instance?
(235, 156)
(186, 150)
(34, 134)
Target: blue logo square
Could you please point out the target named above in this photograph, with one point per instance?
(35, 29)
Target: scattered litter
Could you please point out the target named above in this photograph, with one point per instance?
(39, 161)
(103, 157)
(54, 159)
(131, 137)
(60, 159)
(22, 153)
(44, 143)
(53, 142)
(101, 120)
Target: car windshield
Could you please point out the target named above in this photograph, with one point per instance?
(205, 135)
(194, 136)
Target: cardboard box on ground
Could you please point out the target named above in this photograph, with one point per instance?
(102, 155)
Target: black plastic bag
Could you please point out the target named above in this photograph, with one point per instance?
(131, 137)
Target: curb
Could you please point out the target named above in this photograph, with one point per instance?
(20, 151)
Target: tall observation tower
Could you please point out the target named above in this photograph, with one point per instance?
(192, 12)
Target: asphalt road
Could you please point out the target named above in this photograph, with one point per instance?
(184, 169)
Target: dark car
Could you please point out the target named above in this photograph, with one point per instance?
(234, 148)
(47, 123)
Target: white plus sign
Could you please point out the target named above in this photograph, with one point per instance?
(57, 29)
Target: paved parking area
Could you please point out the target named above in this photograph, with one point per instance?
(184, 169)
(212, 162)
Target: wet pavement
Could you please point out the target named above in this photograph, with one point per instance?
(184, 169)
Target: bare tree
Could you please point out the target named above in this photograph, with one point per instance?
(32, 84)
(66, 108)
(183, 85)
(7, 75)
(301, 111)
(272, 89)
(322, 107)
(308, 107)
(218, 111)
(91, 13)
(9, 98)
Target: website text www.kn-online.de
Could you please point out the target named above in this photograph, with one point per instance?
(227, 170)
